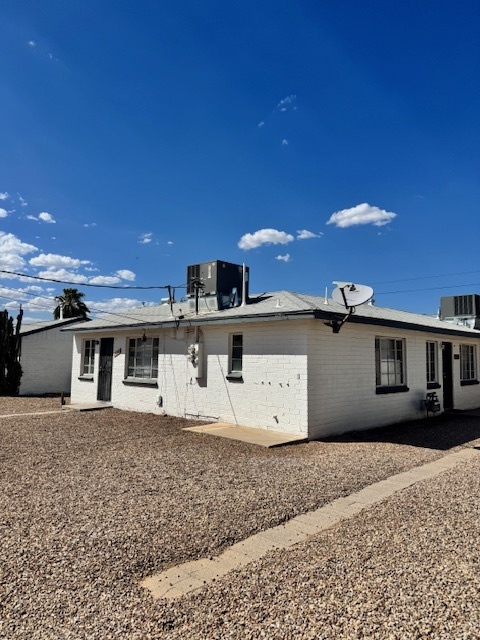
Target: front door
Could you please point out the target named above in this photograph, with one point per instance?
(105, 370)
(447, 375)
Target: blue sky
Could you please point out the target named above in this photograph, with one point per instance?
(314, 141)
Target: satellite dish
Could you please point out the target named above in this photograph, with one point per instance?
(348, 295)
(351, 295)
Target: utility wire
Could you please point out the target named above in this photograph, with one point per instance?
(454, 286)
(89, 284)
(441, 275)
(94, 311)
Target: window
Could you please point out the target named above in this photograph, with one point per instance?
(88, 360)
(142, 358)
(235, 360)
(432, 367)
(467, 363)
(390, 364)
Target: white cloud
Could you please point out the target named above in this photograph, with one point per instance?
(361, 214)
(261, 124)
(145, 238)
(91, 269)
(42, 217)
(3, 213)
(287, 103)
(169, 242)
(118, 305)
(264, 236)
(62, 274)
(55, 261)
(15, 297)
(91, 224)
(304, 234)
(4, 195)
(46, 217)
(284, 142)
(285, 258)
(11, 251)
(22, 201)
(104, 280)
(125, 274)
(32, 43)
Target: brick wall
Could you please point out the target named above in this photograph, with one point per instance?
(331, 391)
(342, 391)
(46, 360)
(272, 395)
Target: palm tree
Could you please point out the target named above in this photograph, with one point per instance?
(70, 305)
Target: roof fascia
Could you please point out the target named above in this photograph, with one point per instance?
(196, 321)
(401, 324)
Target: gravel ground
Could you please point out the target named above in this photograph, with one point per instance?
(93, 502)
(18, 404)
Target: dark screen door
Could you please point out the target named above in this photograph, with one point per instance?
(447, 375)
(105, 370)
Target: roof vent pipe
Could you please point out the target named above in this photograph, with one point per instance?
(244, 286)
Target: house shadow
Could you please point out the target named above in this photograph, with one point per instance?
(442, 432)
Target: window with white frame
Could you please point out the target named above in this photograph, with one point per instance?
(235, 360)
(432, 362)
(390, 362)
(468, 363)
(88, 358)
(142, 358)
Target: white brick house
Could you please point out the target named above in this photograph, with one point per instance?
(275, 364)
(46, 357)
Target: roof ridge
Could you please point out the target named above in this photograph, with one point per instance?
(296, 298)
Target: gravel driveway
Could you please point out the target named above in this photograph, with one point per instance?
(92, 502)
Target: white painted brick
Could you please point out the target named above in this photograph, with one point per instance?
(330, 391)
(46, 360)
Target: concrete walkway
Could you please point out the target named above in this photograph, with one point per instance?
(32, 413)
(261, 437)
(185, 578)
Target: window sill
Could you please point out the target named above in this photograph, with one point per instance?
(434, 385)
(399, 389)
(141, 382)
(235, 376)
(86, 377)
(467, 383)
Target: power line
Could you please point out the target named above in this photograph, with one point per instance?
(92, 310)
(441, 275)
(454, 286)
(89, 284)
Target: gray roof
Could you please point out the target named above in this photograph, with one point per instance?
(276, 305)
(45, 325)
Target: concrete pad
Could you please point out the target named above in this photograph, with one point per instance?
(92, 406)
(183, 579)
(260, 437)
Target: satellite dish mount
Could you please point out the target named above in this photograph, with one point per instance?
(349, 295)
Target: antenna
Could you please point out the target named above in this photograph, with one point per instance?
(349, 295)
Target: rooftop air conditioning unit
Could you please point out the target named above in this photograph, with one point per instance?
(216, 285)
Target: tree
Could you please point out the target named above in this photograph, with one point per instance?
(10, 341)
(70, 305)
